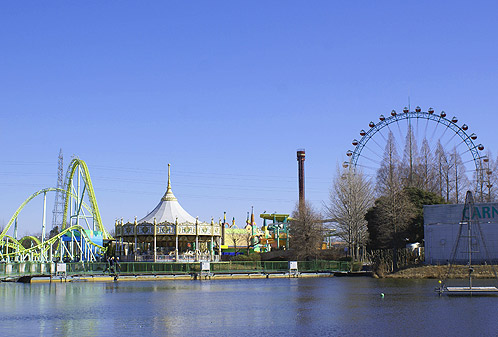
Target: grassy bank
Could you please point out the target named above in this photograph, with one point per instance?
(439, 272)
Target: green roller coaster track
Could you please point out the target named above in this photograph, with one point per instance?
(10, 247)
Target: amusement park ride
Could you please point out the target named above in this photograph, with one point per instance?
(82, 234)
(275, 234)
(458, 135)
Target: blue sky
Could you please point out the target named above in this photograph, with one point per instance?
(225, 91)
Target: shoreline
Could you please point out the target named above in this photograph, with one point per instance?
(183, 277)
(439, 272)
(414, 272)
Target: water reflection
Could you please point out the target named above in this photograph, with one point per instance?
(272, 307)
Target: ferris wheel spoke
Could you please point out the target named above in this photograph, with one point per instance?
(373, 152)
(469, 161)
(368, 167)
(417, 130)
(376, 143)
(382, 134)
(458, 145)
(390, 131)
(425, 130)
(399, 129)
(444, 132)
(371, 160)
(449, 140)
(470, 171)
(467, 151)
(435, 129)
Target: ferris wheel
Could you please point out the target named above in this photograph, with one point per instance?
(436, 129)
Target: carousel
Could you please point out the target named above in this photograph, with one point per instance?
(168, 233)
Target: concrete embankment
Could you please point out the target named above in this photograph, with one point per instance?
(217, 276)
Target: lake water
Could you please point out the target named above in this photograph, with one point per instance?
(259, 307)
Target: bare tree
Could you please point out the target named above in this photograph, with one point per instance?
(235, 238)
(488, 183)
(396, 209)
(350, 198)
(480, 183)
(410, 159)
(458, 177)
(246, 237)
(306, 231)
(443, 168)
(388, 175)
(425, 169)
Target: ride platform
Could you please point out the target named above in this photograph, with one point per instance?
(463, 291)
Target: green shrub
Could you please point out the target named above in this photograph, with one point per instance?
(250, 257)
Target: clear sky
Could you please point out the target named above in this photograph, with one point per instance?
(225, 91)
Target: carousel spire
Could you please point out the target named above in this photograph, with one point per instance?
(169, 196)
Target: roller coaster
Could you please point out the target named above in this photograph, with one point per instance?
(81, 236)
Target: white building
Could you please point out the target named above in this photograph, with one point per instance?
(441, 226)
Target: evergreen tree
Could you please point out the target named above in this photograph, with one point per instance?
(410, 228)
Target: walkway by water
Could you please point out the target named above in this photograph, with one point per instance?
(261, 307)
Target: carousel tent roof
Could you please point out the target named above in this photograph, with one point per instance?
(168, 209)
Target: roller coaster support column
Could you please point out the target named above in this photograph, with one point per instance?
(61, 244)
(42, 255)
(7, 248)
(15, 236)
(71, 248)
(15, 229)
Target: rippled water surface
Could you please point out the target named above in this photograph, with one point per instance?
(260, 307)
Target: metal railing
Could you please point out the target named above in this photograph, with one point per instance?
(17, 269)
